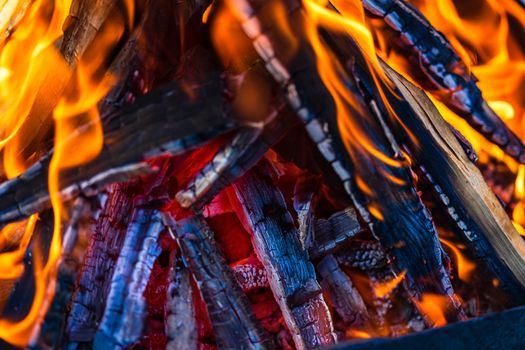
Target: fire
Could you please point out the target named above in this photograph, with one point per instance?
(432, 306)
(24, 73)
(11, 266)
(499, 64)
(464, 266)
(28, 60)
(384, 289)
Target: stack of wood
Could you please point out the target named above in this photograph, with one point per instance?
(234, 206)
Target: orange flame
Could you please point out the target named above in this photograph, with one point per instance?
(432, 306)
(382, 290)
(11, 266)
(78, 135)
(24, 73)
(464, 266)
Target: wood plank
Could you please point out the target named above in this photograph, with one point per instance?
(485, 225)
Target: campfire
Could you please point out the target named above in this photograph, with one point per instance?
(262, 174)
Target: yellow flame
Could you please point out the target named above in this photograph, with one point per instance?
(11, 266)
(24, 73)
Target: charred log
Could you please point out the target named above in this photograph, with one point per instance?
(233, 322)
(442, 71)
(290, 274)
(167, 121)
(93, 285)
(334, 233)
(123, 318)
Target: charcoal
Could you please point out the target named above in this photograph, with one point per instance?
(335, 232)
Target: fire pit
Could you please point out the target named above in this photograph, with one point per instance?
(262, 174)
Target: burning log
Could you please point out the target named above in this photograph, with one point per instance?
(233, 322)
(180, 320)
(398, 218)
(475, 209)
(351, 172)
(131, 136)
(290, 274)
(122, 323)
(439, 69)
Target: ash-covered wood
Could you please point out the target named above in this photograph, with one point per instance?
(123, 318)
(180, 323)
(335, 232)
(290, 274)
(229, 311)
(345, 298)
(97, 268)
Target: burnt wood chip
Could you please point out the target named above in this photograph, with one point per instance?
(345, 298)
(334, 233)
